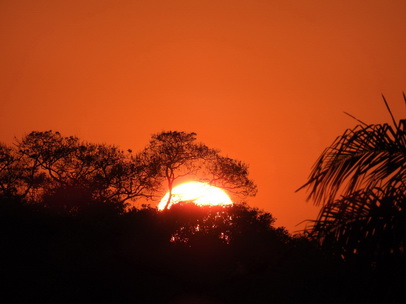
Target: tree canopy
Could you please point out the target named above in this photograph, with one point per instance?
(43, 164)
(47, 163)
(69, 236)
(179, 155)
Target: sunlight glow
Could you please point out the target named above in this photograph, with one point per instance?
(199, 193)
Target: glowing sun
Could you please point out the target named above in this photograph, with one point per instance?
(199, 193)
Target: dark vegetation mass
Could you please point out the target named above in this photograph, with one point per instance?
(187, 253)
(70, 232)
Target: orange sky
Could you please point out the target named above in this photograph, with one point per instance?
(264, 81)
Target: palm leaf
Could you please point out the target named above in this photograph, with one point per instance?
(369, 223)
(360, 180)
(364, 157)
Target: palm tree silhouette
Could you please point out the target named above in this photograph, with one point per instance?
(360, 181)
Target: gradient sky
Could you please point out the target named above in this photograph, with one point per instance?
(265, 81)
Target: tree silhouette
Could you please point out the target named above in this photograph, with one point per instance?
(177, 154)
(231, 175)
(14, 175)
(366, 166)
(46, 163)
(79, 242)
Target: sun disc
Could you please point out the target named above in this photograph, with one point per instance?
(197, 192)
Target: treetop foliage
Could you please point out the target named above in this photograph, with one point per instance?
(43, 164)
(178, 155)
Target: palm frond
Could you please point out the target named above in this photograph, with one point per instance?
(364, 157)
(360, 180)
(389, 110)
(364, 223)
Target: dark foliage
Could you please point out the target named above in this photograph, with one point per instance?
(100, 254)
(178, 155)
(68, 236)
(46, 164)
(360, 180)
